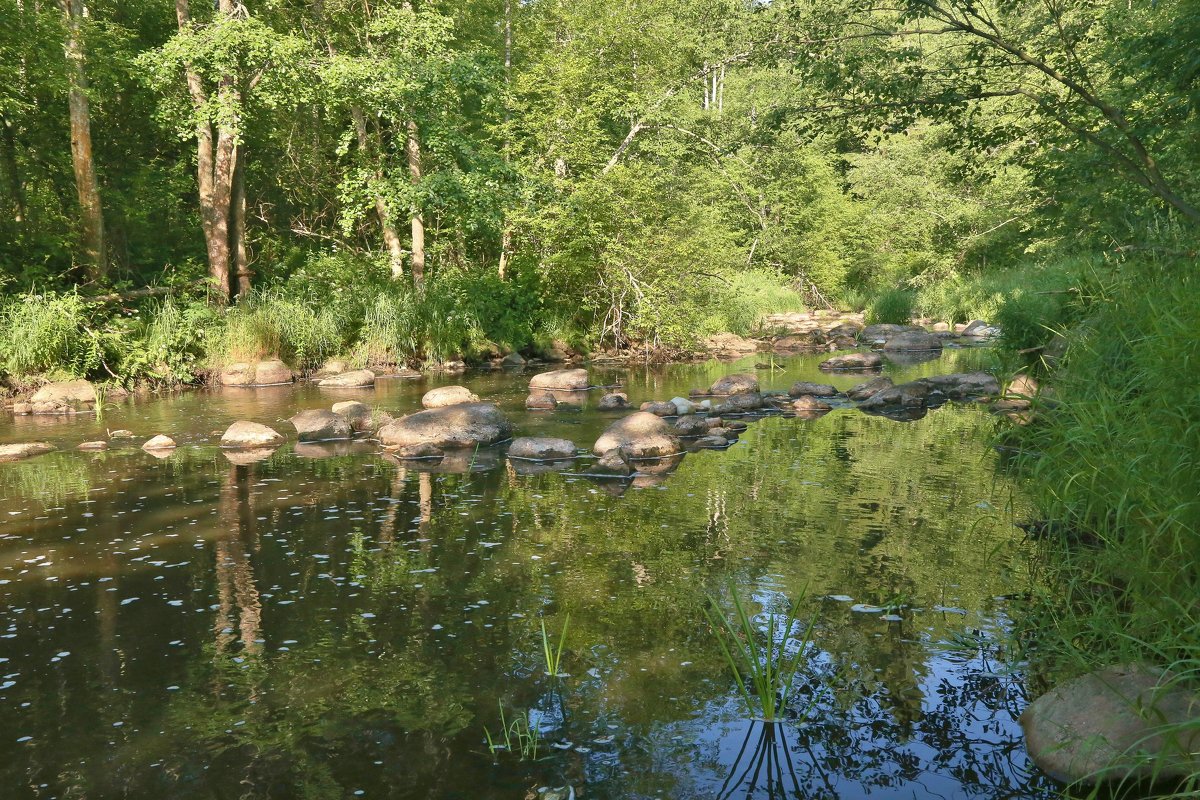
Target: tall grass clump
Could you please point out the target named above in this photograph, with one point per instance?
(764, 662)
(893, 306)
(48, 334)
(1113, 465)
(274, 324)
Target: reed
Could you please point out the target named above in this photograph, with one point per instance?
(553, 652)
(515, 736)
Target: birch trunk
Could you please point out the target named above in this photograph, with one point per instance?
(413, 149)
(391, 239)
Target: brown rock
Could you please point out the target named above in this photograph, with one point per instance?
(852, 362)
(411, 452)
(809, 389)
(641, 435)
(357, 414)
(92, 446)
(245, 435)
(542, 448)
(614, 401)
(739, 404)
(742, 383)
(864, 390)
(659, 408)
(319, 425)
(569, 380)
(355, 379)
(64, 397)
(914, 340)
(807, 403)
(159, 442)
(541, 401)
(449, 427)
(447, 396)
(15, 452)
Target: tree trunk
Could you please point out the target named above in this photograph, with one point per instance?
(413, 149)
(238, 208)
(91, 211)
(16, 189)
(505, 231)
(391, 239)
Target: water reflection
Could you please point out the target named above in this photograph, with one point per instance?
(297, 626)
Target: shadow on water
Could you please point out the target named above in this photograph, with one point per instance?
(326, 621)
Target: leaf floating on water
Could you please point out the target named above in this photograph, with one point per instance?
(563, 745)
(416, 571)
(892, 618)
(604, 740)
(129, 600)
(950, 610)
(841, 598)
(864, 608)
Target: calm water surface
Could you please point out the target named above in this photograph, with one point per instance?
(325, 623)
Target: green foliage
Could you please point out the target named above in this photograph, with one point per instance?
(48, 334)
(517, 736)
(894, 306)
(271, 324)
(552, 652)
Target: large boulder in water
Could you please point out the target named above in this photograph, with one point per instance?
(15, 452)
(357, 414)
(563, 380)
(449, 427)
(739, 404)
(741, 383)
(444, 396)
(913, 340)
(641, 435)
(64, 397)
(864, 390)
(961, 385)
(536, 448)
(261, 373)
(250, 435)
(810, 389)
(880, 332)
(319, 425)
(355, 379)
(915, 394)
(1117, 723)
(853, 361)
(614, 401)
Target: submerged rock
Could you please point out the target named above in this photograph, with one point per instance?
(448, 396)
(92, 446)
(568, 380)
(809, 389)
(741, 383)
(159, 442)
(864, 390)
(536, 448)
(614, 401)
(852, 362)
(355, 379)
(640, 435)
(1114, 724)
(541, 401)
(246, 435)
(962, 385)
(318, 425)
(121, 434)
(409, 452)
(14, 452)
(64, 397)
(810, 404)
(449, 427)
(240, 457)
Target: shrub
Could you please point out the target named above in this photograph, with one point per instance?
(301, 331)
(893, 306)
(48, 334)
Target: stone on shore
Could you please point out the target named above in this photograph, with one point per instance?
(64, 397)
(355, 379)
(261, 373)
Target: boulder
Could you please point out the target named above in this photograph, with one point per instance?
(261, 373)
(974, 327)
(541, 401)
(1115, 724)
(245, 435)
(864, 390)
(734, 425)
(914, 340)
(614, 401)
(566, 380)
(333, 366)
(730, 345)
(449, 427)
(448, 396)
(683, 406)
(355, 379)
(319, 425)
(15, 452)
(22, 409)
(809, 389)
(915, 394)
(691, 426)
(963, 385)
(64, 397)
(159, 442)
(121, 433)
(357, 414)
(940, 327)
(712, 442)
(741, 383)
(537, 448)
(659, 408)
(882, 331)
(846, 330)
(794, 342)
(852, 362)
(641, 435)
(1023, 387)
(239, 457)
(512, 360)
(728, 434)
(739, 404)
(807, 403)
(92, 446)
(613, 464)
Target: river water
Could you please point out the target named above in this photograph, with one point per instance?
(326, 623)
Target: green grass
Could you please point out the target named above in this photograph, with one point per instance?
(553, 652)
(515, 736)
(764, 663)
(893, 306)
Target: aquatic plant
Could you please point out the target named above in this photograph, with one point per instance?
(764, 663)
(552, 652)
(517, 736)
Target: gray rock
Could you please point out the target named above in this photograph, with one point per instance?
(914, 340)
(659, 408)
(641, 435)
(728, 434)
(159, 442)
(15, 452)
(92, 446)
(882, 331)
(614, 401)
(808, 403)
(460, 425)
(569, 380)
(864, 390)
(712, 442)
(357, 414)
(448, 396)
(614, 463)
(355, 379)
(1115, 724)
(512, 360)
(691, 426)
(809, 389)
(915, 394)
(742, 383)
(541, 401)
(683, 406)
(319, 425)
(535, 448)
(962, 385)
(974, 327)
(739, 404)
(852, 362)
(413, 452)
(797, 342)
(247, 435)
(64, 397)
(846, 330)
(261, 373)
